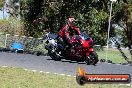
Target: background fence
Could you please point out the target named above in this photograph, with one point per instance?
(30, 44)
(36, 46)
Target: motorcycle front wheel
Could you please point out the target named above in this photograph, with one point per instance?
(92, 59)
(54, 55)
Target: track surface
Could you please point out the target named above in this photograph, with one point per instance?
(44, 63)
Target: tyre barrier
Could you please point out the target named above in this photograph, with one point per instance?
(109, 61)
(37, 53)
(16, 51)
(4, 49)
(102, 60)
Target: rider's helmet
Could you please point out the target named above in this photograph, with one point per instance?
(71, 22)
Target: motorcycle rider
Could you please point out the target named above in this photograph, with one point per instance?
(65, 34)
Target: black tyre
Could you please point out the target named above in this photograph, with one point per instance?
(92, 59)
(54, 55)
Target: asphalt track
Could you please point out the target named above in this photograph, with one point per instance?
(46, 64)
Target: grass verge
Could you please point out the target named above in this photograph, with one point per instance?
(19, 78)
(114, 55)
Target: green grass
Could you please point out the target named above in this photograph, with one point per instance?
(19, 78)
(114, 55)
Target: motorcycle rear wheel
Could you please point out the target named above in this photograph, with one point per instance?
(92, 59)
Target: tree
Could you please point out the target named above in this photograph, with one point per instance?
(31, 12)
(51, 15)
(1, 3)
(123, 17)
(12, 7)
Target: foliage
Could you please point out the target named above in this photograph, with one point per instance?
(123, 17)
(12, 26)
(51, 15)
(1, 3)
(4, 26)
(30, 11)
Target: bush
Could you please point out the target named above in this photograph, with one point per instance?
(11, 26)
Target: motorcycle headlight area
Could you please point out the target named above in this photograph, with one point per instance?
(90, 43)
(53, 42)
